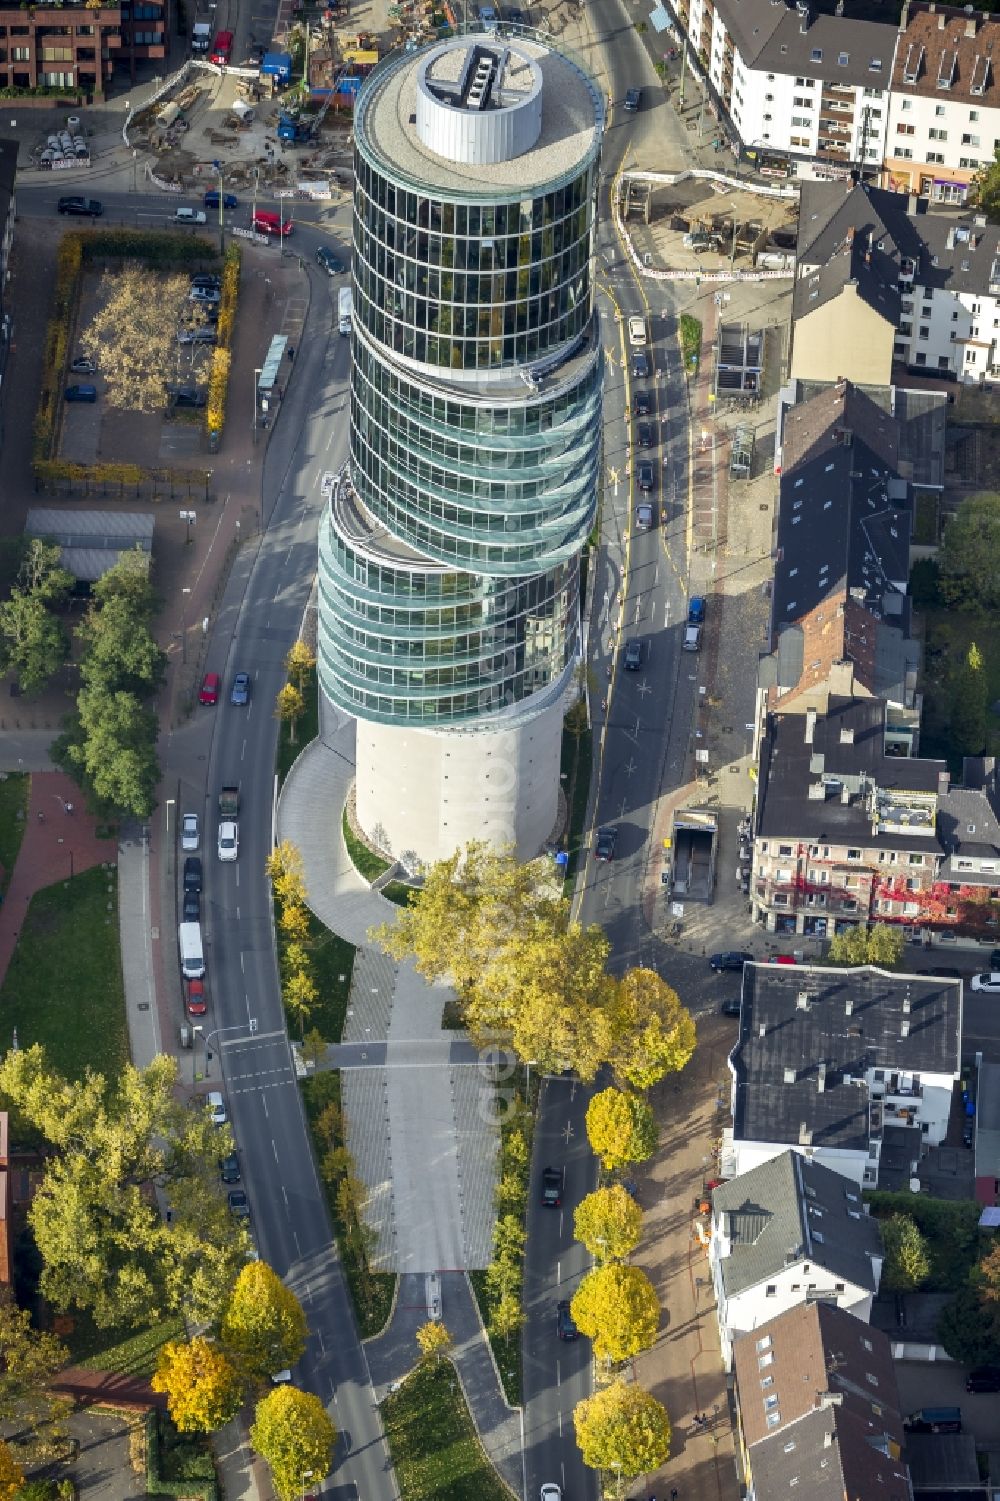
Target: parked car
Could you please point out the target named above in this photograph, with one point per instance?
(240, 695)
(550, 1492)
(186, 396)
(229, 841)
(211, 199)
(229, 1168)
(195, 999)
(329, 262)
(191, 911)
(645, 476)
(205, 294)
(642, 404)
(197, 336)
(206, 279)
(731, 1007)
(637, 332)
(633, 98)
(985, 1378)
(190, 833)
(192, 873)
(692, 638)
(604, 845)
(633, 654)
(640, 365)
(552, 1187)
(995, 959)
(989, 982)
(81, 393)
(82, 366)
(239, 1204)
(730, 959)
(92, 207)
(565, 1326)
(646, 435)
(934, 1420)
(208, 693)
(190, 216)
(696, 610)
(217, 1106)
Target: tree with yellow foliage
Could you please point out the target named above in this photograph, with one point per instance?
(621, 1128)
(609, 1223)
(433, 1339)
(653, 1034)
(202, 1386)
(264, 1327)
(284, 867)
(616, 1307)
(624, 1429)
(299, 662)
(289, 707)
(11, 1474)
(294, 1436)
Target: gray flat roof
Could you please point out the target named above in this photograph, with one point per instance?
(572, 125)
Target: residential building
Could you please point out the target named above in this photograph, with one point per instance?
(790, 1231)
(839, 600)
(854, 1068)
(803, 94)
(449, 570)
(74, 48)
(949, 312)
(986, 1133)
(849, 829)
(944, 105)
(817, 1403)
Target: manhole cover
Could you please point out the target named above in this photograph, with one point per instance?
(143, 1006)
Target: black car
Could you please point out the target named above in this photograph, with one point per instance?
(640, 364)
(642, 404)
(331, 265)
(229, 1168)
(646, 435)
(604, 845)
(239, 1204)
(995, 959)
(632, 659)
(565, 1327)
(633, 99)
(192, 873)
(985, 1378)
(552, 1187)
(732, 959)
(192, 907)
(186, 396)
(732, 1007)
(644, 474)
(208, 280)
(944, 972)
(92, 208)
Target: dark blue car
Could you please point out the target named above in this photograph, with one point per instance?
(229, 200)
(696, 610)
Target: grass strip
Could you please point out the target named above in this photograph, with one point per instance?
(121, 1352)
(14, 790)
(305, 730)
(368, 865)
(435, 1451)
(64, 986)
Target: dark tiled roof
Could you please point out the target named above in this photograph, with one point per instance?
(952, 44)
(767, 1222)
(828, 1455)
(852, 233)
(803, 1065)
(789, 766)
(817, 1351)
(835, 49)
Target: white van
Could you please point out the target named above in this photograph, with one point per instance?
(345, 308)
(192, 956)
(637, 332)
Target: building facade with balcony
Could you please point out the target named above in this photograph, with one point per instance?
(449, 584)
(70, 48)
(853, 1068)
(944, 107)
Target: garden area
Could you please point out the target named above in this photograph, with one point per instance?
(433, 1442)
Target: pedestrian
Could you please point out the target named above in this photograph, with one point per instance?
(673, 1494)
(291, 352)
(41, 816)
(68, 807)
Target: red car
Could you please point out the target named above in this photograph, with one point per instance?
(197, 1003)
(208, 693)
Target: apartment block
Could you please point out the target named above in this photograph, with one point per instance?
(75, 48)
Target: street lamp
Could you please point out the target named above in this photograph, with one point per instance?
(256, 399)
(184, 640)
(190, 517)
(281, 220)
(222, 224)
(306, 1475)
(169, 804)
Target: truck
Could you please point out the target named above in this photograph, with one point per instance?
(290, 129)
(345, 309)
(692, 853)
(277, 65)
(229, 803)
(201, 36)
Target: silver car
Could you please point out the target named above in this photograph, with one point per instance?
(190, 834)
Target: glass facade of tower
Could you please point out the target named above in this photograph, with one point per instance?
(449, 558)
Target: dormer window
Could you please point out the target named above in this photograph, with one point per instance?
(843, 58)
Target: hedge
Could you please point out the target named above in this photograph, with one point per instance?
(206, 1490)
(218, 381)
(68, 263)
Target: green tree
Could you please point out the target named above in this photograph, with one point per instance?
(907, 1264)
(289, 707)
(29, 1360)
(969, 703)
(313, 1047)
(103, 1242)
(968, 1331)
(202, 1386)
(621, 1128)
(41, 572)
(33, 642)
(300, 996)
(506, 1317)
(623, 1429)
(986, 188)
(434, 1340)
(608, 1223)
(969, 557)
(880, 944)
(653, 1034)
(294, 1436)
(616, 1307)
(263, 1327)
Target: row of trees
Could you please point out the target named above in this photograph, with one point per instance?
(290, 704)
(524, 972)
(298, 986)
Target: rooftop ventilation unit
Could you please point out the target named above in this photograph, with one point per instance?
(790, 1075)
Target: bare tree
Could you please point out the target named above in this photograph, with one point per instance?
(133, 338)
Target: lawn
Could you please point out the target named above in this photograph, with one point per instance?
(365, 861)
(948, 634)
(122, 1352)
(371, 1292)
(305, 730)
(64, 984)
(333, 965)
(690, 341)
(575, 767)
(433, 1441)
(14, 789)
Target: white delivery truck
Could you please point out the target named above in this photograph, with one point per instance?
(345, 307)
(192, 954)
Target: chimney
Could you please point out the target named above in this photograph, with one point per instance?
(821, 1079)
(944, 783)
(805, 1135)
(846, 736)
(849, 1007)
(942, 22)
(810, 725)
(802, 1000)
(803, 11)
(904, 1028)
(828, 1441)
(970, 28)
(790, 1075)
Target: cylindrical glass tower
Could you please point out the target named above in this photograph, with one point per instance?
(449, 556)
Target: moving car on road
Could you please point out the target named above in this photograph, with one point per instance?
(552, 1187)
(604, 845)
(637, 332)
(731, 959)
(644, 474)
(329, 262)
(190, 216)
(989, 982)
(92, 207)
(642, 403)
(211, 199)
(565, 1327)
(633, 654)
(646, 435)
(640, 365)
(240, 695)
(229, 842)
(633, 98)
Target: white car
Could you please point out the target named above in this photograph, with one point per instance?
(637, 332)
(217, 1106)
(229, 841)
(551, 1492)
(190, 216)
(692, 638)
(190, 838)
(989, 982)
